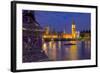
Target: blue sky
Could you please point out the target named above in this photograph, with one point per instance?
(63, 20)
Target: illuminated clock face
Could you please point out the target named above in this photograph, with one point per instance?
(73, 26)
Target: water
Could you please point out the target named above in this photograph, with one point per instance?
(67, 50)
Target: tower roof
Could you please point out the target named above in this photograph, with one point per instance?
(73, 22)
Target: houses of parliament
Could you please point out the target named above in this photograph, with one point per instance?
(63, 35)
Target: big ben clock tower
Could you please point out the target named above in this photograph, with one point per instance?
(73, 30)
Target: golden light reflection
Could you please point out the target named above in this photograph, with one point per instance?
(50, 49)
(53, 52)
(50, 44)
(59, 44)
(73, 52)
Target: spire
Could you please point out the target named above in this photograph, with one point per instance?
(73, 22)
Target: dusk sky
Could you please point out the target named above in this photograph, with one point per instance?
(63, 20)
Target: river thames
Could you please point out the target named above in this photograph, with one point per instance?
(67, 50)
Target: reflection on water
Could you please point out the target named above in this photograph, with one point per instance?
(73, 52)
(67, 50)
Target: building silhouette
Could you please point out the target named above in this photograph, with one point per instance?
(32, 38)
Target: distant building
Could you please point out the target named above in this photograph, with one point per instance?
(73, 30)
(78, 34)
(86, 34)
(47, 30)
(64, 35)
(73, 34)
